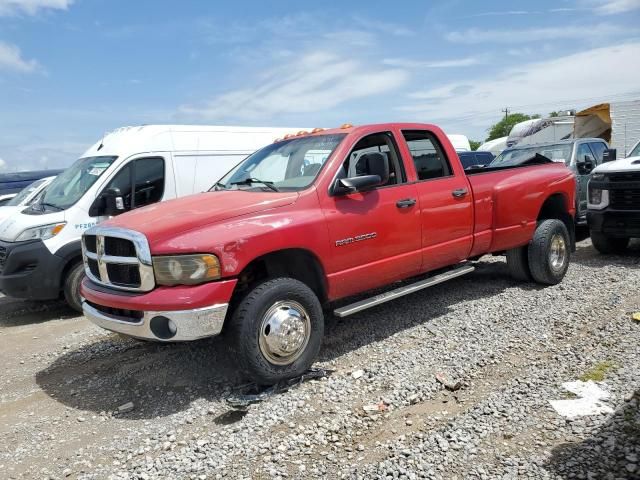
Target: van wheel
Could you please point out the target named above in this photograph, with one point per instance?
(605, 244)
(549, 252)
(72, 286)
(518, 263)
(277, 330)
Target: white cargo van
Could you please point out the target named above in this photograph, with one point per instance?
(40, 254)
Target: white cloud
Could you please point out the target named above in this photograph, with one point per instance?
(3, 165)
(451, 63)
(313, 82)
(575, 80)
(510, 36)
(31, 7)
(611, 7)
(11, 60)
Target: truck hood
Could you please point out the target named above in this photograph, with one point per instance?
(165, 219)
(629, 164)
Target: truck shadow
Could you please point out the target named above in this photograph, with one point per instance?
(587, 255)
(17, 312)
(162, 379)
(607, 453)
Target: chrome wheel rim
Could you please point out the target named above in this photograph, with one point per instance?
(557, 252)
(285, 330)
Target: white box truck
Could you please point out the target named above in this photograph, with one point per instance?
(131, 167)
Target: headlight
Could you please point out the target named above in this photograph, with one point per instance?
(43, 232)
(598, 198)
(186, 269)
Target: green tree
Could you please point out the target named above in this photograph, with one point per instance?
(474, 144)
(504, 126)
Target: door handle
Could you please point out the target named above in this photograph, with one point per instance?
(460, 192)
(406, 203)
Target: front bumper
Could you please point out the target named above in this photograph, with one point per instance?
(615, 223)
(169, 314)
(186, 325)
(29, 270)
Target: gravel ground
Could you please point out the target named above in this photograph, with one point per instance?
(508, 345)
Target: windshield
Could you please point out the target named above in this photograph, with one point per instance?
(70, 185)
(25, 193)
(636, 151)
(289, 165)
(559, 152)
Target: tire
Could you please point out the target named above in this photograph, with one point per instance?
(71, 288)
(549, 252)
(259, 312)
(605, 244)
(518, 263)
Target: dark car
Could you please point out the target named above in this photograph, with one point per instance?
(14, 182)
(470, 159)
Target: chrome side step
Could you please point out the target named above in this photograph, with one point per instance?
(402, 291)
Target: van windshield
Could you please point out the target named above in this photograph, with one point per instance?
(73, 183)
(559, 152)
(288, 165)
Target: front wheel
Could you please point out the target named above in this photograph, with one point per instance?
(71, 288)
(549, 252)
(605, 244)
(277, 330)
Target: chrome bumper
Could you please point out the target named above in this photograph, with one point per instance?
(189, 324)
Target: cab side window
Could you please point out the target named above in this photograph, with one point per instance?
(141, 182)
(598, 150)
(585, 153)
(148, 181)
(356, 163)
(428, 155)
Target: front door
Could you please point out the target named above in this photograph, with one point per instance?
(583, 154)
(375, 235)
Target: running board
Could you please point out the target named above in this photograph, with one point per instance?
(402, 291)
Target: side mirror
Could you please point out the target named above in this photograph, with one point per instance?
(113, 202)
(357, 184)
(609, 155)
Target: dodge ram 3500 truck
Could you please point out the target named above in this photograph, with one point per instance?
(315, 218)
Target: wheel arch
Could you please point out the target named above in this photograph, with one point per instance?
(557, 206)
(298, 263)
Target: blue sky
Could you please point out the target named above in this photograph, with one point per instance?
(71, 70)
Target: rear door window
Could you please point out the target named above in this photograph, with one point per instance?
(428, 155)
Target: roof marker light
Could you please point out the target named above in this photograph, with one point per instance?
(317, 129)
(346, 125)
(302, 132)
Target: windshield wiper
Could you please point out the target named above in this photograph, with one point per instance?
(250, 180)
(220, 186)
(45, 204)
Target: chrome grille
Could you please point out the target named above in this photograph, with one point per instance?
(118, 258)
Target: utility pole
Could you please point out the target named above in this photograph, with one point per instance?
(506, 112)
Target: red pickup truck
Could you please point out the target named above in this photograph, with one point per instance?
(314, 218)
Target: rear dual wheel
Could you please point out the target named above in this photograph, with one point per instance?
(546, 258)
(277, 330)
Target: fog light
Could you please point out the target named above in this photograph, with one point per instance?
(163, 327)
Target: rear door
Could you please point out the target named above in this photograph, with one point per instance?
(445, 201)
(375, 235)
